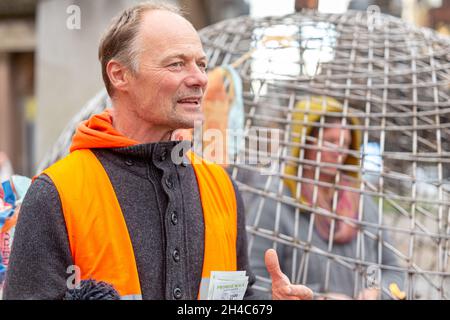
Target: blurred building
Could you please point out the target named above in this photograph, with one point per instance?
(439, 17)
(17, 48)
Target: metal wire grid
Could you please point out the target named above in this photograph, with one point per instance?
(395, 79)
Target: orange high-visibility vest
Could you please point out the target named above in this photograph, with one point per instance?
(99, 240)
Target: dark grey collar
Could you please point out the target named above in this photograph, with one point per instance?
(157, 150)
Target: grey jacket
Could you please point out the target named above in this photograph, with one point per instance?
(162, 209)
(311, 262)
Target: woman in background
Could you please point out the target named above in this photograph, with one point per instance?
(328, 157)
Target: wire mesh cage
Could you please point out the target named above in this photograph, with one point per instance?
(360, 198)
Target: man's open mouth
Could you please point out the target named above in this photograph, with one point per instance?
(190, 100)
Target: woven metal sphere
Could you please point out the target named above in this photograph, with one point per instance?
(395, 79)
(391, 82)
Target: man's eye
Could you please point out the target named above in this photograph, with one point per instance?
(178, 64)
(203, 66)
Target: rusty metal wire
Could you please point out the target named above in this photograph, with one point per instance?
(395, 79)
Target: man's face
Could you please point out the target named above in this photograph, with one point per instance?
(168, 88)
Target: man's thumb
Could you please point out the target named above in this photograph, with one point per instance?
(272, 265)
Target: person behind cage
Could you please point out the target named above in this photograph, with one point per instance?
(339, 149)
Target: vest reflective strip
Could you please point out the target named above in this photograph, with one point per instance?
(132, 297)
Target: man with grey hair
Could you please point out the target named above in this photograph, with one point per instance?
(119, 209)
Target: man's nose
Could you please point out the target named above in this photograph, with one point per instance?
(197, 77)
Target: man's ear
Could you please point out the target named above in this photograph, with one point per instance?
(118, 74)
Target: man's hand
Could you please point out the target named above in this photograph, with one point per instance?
(282, 289)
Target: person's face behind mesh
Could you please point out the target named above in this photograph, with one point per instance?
(330, 148)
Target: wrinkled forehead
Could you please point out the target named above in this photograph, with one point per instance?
(162, 29)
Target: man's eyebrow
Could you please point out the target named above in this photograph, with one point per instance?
(182, 56)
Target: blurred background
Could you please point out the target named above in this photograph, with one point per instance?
(49, 67)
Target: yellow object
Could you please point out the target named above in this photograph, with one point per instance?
(396, 292)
